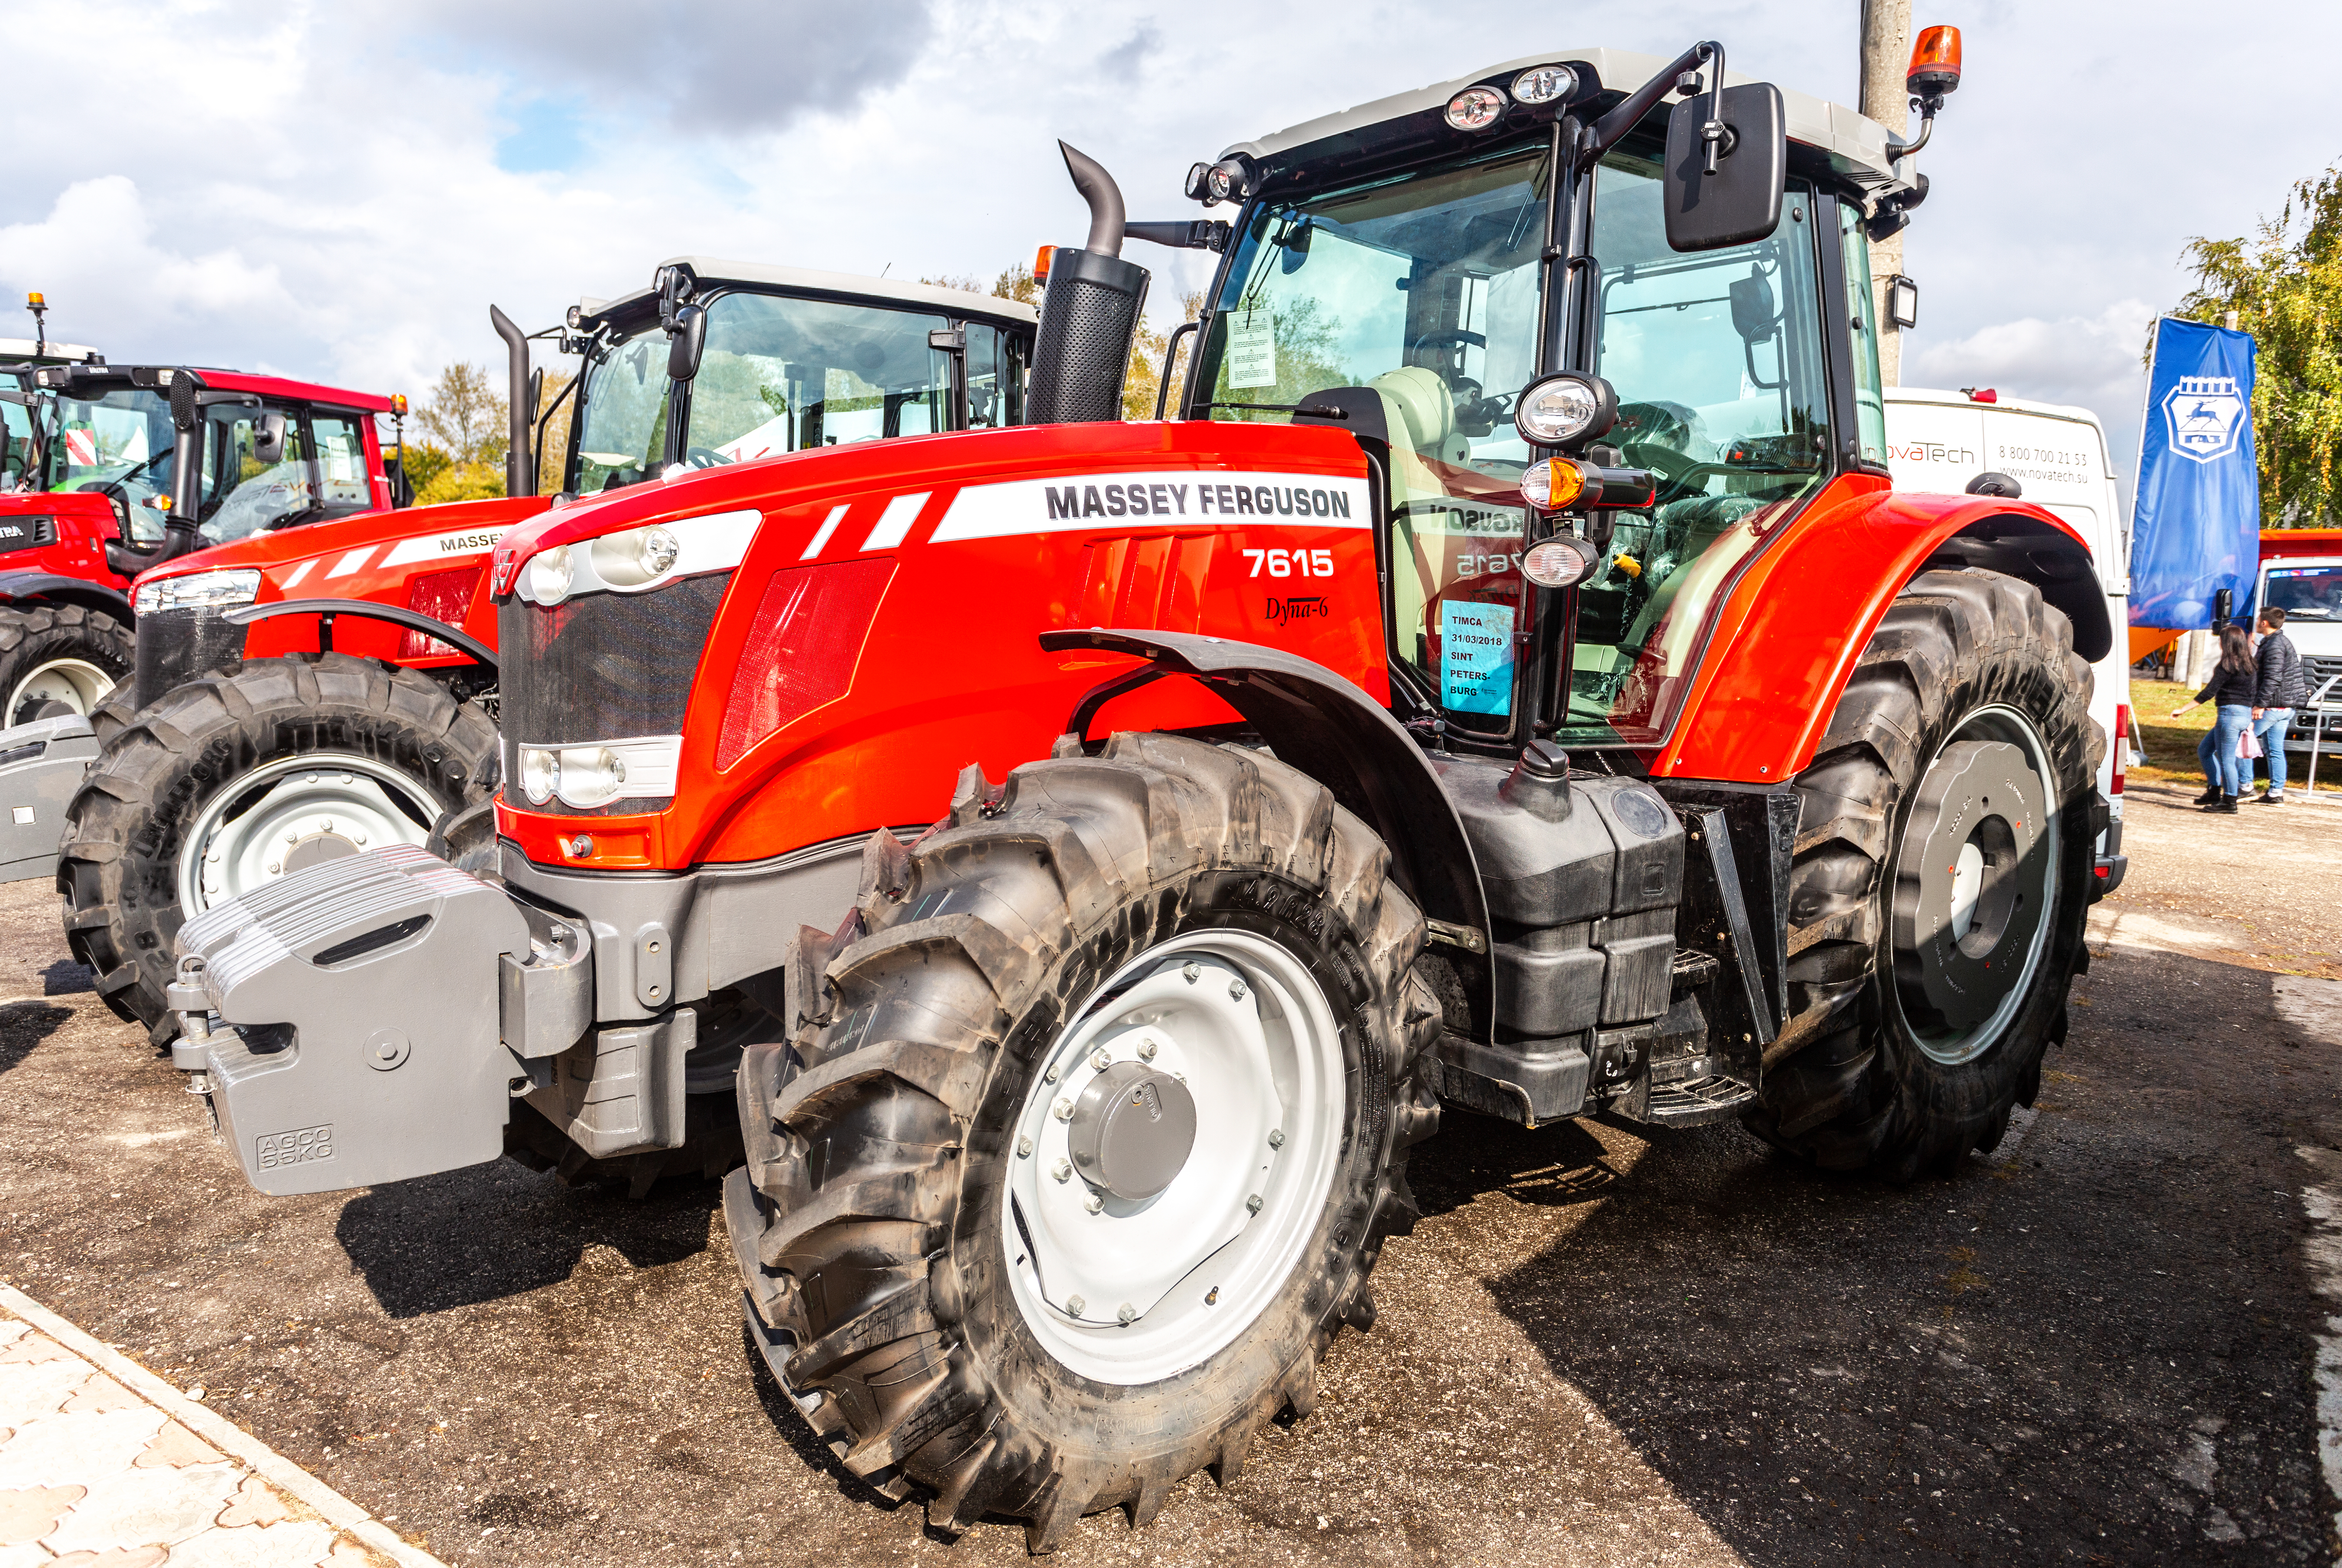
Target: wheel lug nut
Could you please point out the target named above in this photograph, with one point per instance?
(1075, 1305)
(1252, 1204)
(272, 868)
(1093, 1202)
(1236, 989)
(1126, 1311)
(1051, 1076)
(1277, 1138)
(1147, 1050)
(1023, 1148)
(1192, 972)
(1062, 1170)
(1064, 1110)
(1101, 1059)
(326, 824)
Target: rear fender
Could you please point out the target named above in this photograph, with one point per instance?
(1786, 641)
(1318, 721)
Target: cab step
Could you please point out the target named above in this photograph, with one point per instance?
(1696, 1102)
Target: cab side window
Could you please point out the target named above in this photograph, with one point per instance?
(343, 484)
(247, 490)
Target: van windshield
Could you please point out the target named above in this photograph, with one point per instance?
(2306, 592)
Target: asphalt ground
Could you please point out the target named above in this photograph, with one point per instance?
(1604, 1345)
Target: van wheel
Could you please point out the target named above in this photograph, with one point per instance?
(232, 780)
(1940, 884)
(1095, 1138)
(60, 654)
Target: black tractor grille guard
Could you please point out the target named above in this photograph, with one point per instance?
(175, 646)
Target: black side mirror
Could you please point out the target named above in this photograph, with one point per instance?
(268, 437)
(1740, 199)
(689, 342)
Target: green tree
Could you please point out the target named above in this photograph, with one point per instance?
(465, 417)
(2285, 284)
(426, 461)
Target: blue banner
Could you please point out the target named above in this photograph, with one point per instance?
(2195, 523)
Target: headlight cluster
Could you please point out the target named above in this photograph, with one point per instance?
(636, 560)
(198, 591)
(592, 775)
(1229, 180)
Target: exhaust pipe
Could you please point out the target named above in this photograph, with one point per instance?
(520, 471)
(1090, 312)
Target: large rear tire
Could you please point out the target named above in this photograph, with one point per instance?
(1940, 882)
(936, 1332)
(272, 767)
(61, 653)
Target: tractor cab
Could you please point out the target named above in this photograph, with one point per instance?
(721, 362)
(1455, 249)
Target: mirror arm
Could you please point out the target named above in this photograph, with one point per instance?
(1612, 127)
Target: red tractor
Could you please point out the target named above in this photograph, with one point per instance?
(1510, 681)
(310, 694)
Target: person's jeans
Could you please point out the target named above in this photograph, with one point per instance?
(2217, 750)
(2271, 727)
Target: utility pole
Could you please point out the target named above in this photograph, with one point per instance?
(1886, 57)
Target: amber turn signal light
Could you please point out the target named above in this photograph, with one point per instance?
(1553, 484)
(1041, 263)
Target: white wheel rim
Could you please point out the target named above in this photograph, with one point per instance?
(1245, 1025)
(320, 806)
(76, 682)
(1952, 1048)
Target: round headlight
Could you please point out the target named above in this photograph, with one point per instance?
(575, 317)
(540, 773)
(1198, 186)
(549, 574)
(1558, 562)
(1563, 408)
(1545, 84)
(1475, 108)
(654, 550)
(1553, 483)
(590, 775)
(1228, 181)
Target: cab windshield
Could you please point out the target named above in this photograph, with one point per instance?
(1426, 287)
(2306, 592)
(120, 444)
(781, 374)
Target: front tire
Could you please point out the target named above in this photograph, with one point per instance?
(61, 653)
(1933, 933)
(242, 776)
(937, 1334)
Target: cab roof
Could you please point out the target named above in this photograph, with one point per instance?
(838, 285)
(1856, 147)
(96, 380)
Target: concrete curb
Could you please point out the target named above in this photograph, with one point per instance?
(221, 1434)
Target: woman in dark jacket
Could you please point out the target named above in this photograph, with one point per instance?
(2230, 689)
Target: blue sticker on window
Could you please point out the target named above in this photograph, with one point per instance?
(1476, 656)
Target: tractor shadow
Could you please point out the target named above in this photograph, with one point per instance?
(23, 1025)
(2014, 1363)
(494, 1231)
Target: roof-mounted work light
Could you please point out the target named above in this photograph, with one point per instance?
(1476, 108)
(1544, 85)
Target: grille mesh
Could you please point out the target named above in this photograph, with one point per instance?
(176, 645)
(603, 666)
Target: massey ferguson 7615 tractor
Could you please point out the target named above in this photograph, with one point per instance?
(1510, 681)
(243, 766)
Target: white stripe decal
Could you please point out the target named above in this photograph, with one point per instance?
(430, 547)
(837, 513)
(894, 523)
(1078, 503)
(350, 562)
(297, 574)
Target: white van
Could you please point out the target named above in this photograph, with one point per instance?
(1936, 441)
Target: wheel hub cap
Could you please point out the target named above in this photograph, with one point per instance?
(1970, 887)
(1131, 1130)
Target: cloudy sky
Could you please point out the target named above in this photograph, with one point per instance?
(338, 192)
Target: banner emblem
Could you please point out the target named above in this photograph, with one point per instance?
(2204, 413)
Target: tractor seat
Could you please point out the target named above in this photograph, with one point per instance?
(1421, 412)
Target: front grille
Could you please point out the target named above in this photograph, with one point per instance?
(176, 645)
(2321, 669)
(603, 667)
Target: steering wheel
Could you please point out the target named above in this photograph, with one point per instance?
(1452, 372)
(706, 457)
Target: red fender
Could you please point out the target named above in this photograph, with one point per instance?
(1780, 651)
